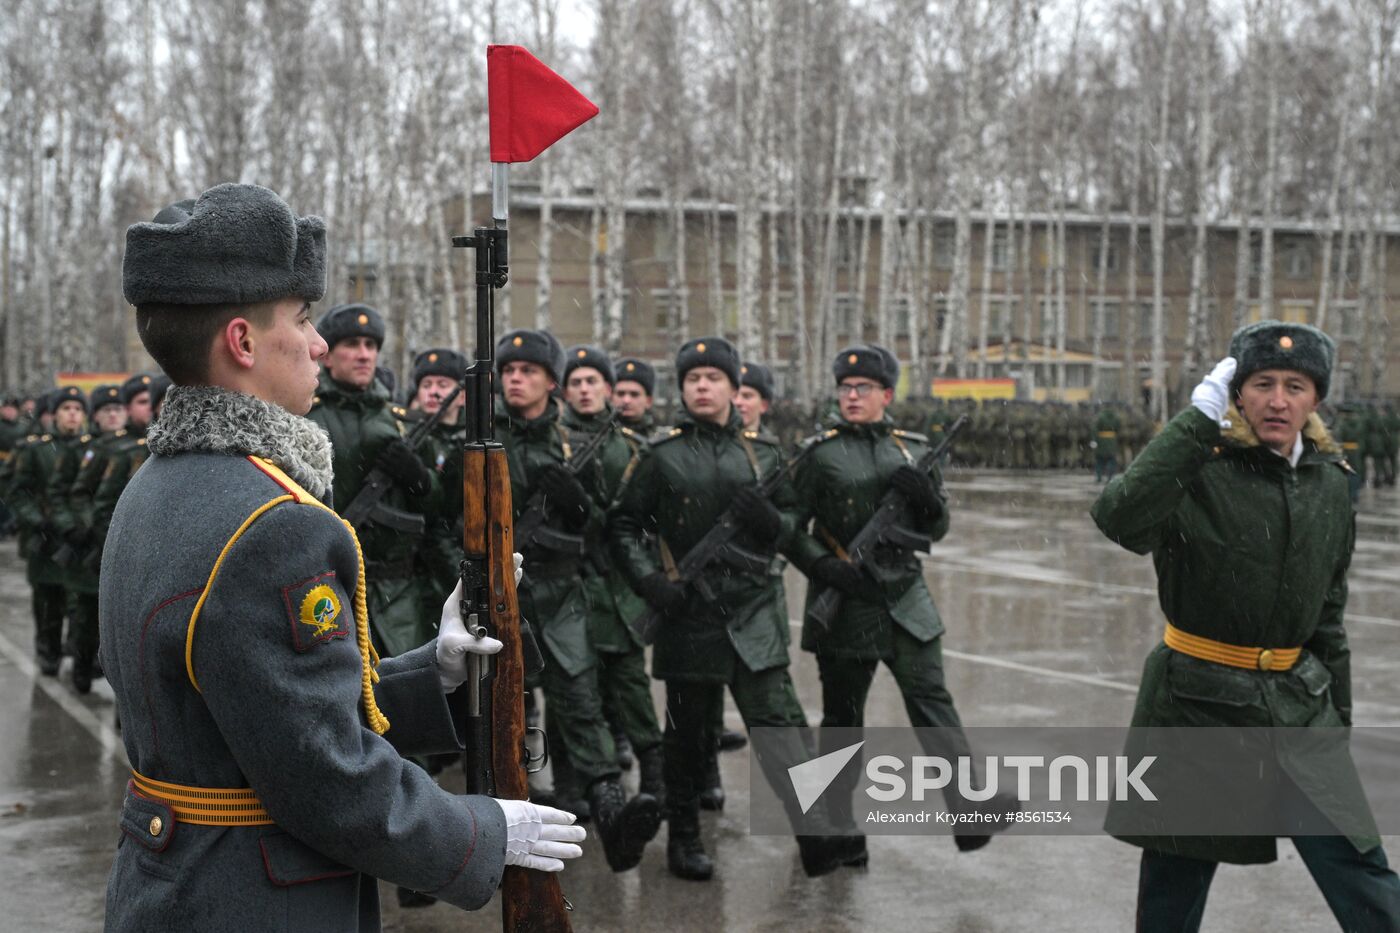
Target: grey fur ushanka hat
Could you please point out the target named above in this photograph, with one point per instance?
(1281, 345)
(631, 369)
(531, 346)
(593, 357)
(871, 361)
(757, 377)
(234, 245)
(708, 351)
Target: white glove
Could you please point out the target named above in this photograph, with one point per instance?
(1212, 396)
(455, 643)
(540, 837)
(519, 564)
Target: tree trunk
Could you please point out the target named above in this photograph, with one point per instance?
(1159, 227)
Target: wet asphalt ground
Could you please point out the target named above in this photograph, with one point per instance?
(1048, 623)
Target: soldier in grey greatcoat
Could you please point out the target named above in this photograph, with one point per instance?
(267, 787)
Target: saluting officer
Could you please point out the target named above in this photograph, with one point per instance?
(264, 735)
(366, 431)
(632, 395)
(1243, 503)
(684, 483)
(40, 536)
(538, 447)
(887, 613)
(612, 604)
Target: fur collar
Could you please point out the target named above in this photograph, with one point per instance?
(1240, 434)
(212, 419)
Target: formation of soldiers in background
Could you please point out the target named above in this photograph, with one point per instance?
(67, 456)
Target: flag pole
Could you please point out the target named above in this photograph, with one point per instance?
(500, 193)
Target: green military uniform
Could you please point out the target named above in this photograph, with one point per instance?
(12, 432)
(1250, 550)
(612, 604)
(40, 539)
(1392, 442)
(1351, 435)
(1375, 445)
(683, 485)
(891, 617)
(1106, 428)
(361, 423)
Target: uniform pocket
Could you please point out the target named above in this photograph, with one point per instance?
(1312, 674)
(289, 861)
(1206, 682)
(149, 821)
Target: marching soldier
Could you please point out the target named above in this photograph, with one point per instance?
(70, 491)
(1249, 465)
(366, 431)
(123, 457)
(436, 373)
(1105, 444)
(538, 447)
(686, 480)
(612, 604)
(632, 395)
(35, 509)
(12, 432)
(264, 734)
(888, 614)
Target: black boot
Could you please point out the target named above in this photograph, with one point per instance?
(822, 855)
(712, 797)
(685, 853)
(650, 765)
(82, 674)
(731, 739)
(48, 664)
(624, 826)
(567, 794)
(625, 758)
(1002, 804)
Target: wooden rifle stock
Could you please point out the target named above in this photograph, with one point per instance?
(531, 901)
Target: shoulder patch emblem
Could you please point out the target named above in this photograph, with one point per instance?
(315, 610)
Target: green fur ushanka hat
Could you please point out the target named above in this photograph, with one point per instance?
(708, 351)
(234, 245)
(592, 357)
(531, 346)
(1280, 345)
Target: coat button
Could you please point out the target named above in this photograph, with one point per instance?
(156, 826)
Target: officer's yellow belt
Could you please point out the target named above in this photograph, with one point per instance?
(1108, 434)
(205, 806)
(1208, 649)
(1351, 445)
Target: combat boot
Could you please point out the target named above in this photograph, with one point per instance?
(685, 853)
(625, 757)
(1003, 804)
(732, 740)
(822, 855)
(712, 797)
(567, 794)
(82, 674)
(624, 826)
(650, 767)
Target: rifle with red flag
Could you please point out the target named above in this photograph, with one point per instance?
(531, 108)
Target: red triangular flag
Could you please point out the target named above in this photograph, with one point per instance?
(532, 108)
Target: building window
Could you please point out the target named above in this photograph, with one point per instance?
(1346, 263)
(1145, 317)
(668, 306)
(1298, 260)
(785, 312)
(1001, 249)
(945, 245)
(1349, 313)
(1001, 316)
(1296, 312)
(1109, 312)
(1113, 257)
(902, 309)
(846, 316)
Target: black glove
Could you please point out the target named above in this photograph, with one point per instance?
(762, 520)
(565, 495)
(838, 574)
(662, 593)
(400, 462)
(918, 488)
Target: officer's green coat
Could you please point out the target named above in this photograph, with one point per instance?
(1249, 551)
(612, 603)
(681, 487)
(553, 600)
(29, 490)
(361, 424)
(1107, 448)
(840, 485)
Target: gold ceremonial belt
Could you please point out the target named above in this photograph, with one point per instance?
(1208, 649)
(206, 806)
(1351, 445)
(1108, 434)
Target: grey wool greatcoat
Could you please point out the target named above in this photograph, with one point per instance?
(229, 635)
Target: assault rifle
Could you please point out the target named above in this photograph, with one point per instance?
(531, 529)
(367, 505)
(883, 528)
(718, 546)
(498, 760)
